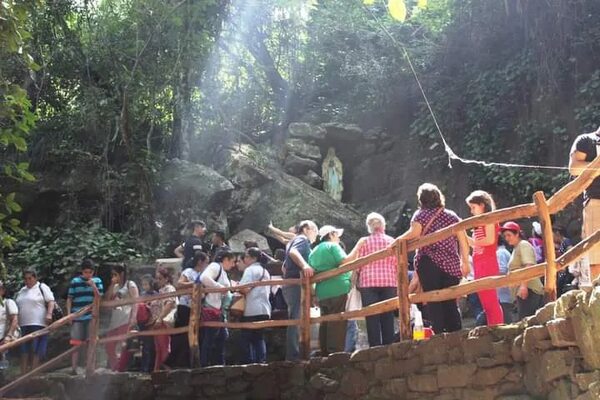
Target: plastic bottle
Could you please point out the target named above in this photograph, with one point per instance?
(418, 329)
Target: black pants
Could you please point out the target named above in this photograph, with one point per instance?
(444, 315)
(180, 346)
(530, 305)
(380, 327)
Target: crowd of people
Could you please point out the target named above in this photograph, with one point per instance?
(308, 251)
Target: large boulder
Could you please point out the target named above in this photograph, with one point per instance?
(236, 242)
(299, 166)
(303, 149)
(199, 182)
(306, 131)
(343, 132)
(268, 194)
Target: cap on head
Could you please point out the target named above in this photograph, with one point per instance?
(327, 229)
(511, 226)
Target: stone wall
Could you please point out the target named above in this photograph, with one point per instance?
(554, 355)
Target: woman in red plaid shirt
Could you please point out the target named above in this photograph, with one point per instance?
(377, 281)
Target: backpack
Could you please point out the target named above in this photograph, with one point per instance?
(278, 305)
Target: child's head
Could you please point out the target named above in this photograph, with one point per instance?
(147, 283)
(87, 269)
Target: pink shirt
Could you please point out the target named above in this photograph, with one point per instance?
(380, 273)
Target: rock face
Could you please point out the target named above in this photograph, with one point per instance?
(481, 364)
(236, 242)
(268, 194)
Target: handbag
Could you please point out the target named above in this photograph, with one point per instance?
(354, 302)
(57, 312)
(237, 308)
(208, 313)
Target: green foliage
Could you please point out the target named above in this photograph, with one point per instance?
(16, 117)
(57, 252)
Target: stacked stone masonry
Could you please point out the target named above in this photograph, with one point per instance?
(554, 355)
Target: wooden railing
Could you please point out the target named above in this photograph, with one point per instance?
(540, 207)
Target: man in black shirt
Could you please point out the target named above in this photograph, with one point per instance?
(584, 150)
(192, 244)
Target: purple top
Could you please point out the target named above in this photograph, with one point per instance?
(444, 253)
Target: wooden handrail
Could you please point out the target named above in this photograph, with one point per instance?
(565, 195)
(37, 370)
(50, 328)
(237, 288)
(354, 265)
(144, 299)
(515, 277)
(400, 249)
(462, 289)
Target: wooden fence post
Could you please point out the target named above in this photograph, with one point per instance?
(305, 319)
(549, 251)
(90, 366)
(403, 303)
(193, 326)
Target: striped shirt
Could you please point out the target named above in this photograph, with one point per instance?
(380, 273)
(82, 295)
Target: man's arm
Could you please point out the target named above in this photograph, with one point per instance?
(179, 251)
(577, 163)
(299, 260)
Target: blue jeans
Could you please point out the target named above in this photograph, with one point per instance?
(212, 349)
(351, 336)
(380, 328)
(253, 341)
(292, 295)
(147, 343)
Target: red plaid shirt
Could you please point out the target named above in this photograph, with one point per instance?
(380, 273)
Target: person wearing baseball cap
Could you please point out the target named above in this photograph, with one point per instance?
(529, 294)
(331, 293)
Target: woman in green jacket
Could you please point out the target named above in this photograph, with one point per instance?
(331, 293)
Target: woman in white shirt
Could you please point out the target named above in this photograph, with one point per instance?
(180, 347)
(164, 317)
(36, 302)
(9, 322)
(122, 318)
(213, 339)
(258, 307)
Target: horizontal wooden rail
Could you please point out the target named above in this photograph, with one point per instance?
(512, 279)
(373, 309)
(145, 299)
(454, 292)
(209, 324)
(573, 189)
(48, 364)
(273, 323)
(354, 265)
(516, 212)
(237, 288)
(50, 328)
(149, 332)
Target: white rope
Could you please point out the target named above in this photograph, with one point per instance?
(451, 154)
